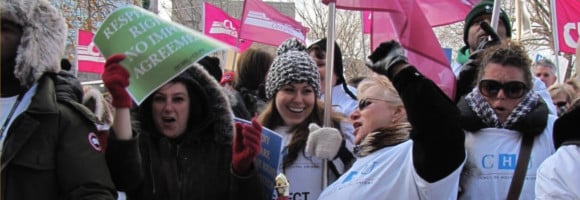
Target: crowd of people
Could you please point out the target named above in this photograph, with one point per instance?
(510, 132)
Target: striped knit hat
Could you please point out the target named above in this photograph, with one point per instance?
(292, 65)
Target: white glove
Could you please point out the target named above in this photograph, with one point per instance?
(323, 143)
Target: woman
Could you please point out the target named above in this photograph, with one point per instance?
(562, 96)
(292, 87)
(180, 147)
(250, 77)
(503, 116)
(409, 143)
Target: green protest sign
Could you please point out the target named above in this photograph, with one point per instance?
(156, 50)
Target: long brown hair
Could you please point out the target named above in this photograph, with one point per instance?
(271, 119)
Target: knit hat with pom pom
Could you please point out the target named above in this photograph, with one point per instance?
(292, 65)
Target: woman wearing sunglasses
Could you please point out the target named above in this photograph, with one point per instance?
(501, 116)
(408, 140)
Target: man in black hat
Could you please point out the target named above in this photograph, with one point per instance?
(473, 34)
(343, 96)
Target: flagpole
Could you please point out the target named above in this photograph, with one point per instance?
(76, 61)
(362, 33)
(495, 15)
(518, 21)
(555, 36)
(328, 80)
(236, 53)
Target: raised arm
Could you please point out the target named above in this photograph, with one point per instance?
(123, 154)
(438, 148)
(116, 79)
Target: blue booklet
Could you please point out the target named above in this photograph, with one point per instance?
(269, 160)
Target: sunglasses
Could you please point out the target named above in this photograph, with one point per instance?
(560, 104)
(512, 89)
(363, 103)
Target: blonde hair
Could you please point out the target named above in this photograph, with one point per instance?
(396, 132)
(389, 93)
(560, 88)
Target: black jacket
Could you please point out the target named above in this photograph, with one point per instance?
(47, 153)
(438, 147)
(195, 166)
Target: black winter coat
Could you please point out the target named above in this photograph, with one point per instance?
(195, 166)
(48, 153)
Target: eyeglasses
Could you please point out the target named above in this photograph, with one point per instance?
(512, 89)
(363, 103)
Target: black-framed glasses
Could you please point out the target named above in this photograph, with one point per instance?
(363, 103)
(512, 89)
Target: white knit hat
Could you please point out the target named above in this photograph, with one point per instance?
(43, 41)
(292, 65)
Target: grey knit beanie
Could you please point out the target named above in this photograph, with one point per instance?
(292, 65)
(43, 41)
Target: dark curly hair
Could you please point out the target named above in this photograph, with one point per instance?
(511, 54)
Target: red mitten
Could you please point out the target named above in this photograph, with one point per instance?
(116, 79)
(246, 146)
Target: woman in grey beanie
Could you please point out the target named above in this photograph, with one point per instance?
(294, 111)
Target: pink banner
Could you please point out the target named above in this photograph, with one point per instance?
(375, 5)
(444, 12)
(438, 12)
(568, 22)
(410, 27)
(366, 21)
(219, 25)
(89, 58)
(263, 23)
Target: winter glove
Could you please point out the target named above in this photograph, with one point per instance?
(386, 55)
(488, 42)
(323, 143)
(470, 69)
(246, 146)
(116, 79)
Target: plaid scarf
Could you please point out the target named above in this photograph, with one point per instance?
(484, 111)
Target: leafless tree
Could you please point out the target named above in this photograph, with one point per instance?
(86, 15)
(541, 19)
(348, 33)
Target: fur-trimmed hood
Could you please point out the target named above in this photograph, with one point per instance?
(43, 41)
(210, 112)
(99, 106)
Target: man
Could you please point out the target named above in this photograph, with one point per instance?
(546, 71)
(473, 34)
(343, 95)
(49, 145)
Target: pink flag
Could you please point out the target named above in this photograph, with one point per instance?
(375, 5)
(410, 27)
(568, 24)
(438, 12)
(219, 25)
(366, 15)
(263, 23)
(444, 12)
(89, 58)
